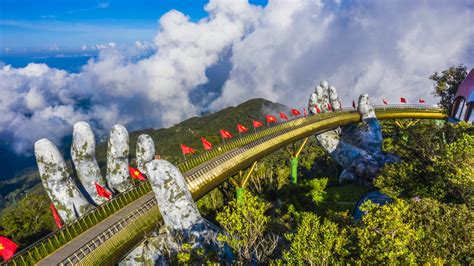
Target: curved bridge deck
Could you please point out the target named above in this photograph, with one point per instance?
(104, 235)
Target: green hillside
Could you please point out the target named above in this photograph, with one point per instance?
(188, 132)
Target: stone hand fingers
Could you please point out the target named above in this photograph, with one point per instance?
(85, 163)
(57, 182)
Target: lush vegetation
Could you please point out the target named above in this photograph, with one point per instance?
(430, 220)
(29, 220)
(447, 83)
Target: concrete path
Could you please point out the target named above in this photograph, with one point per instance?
(86, 237)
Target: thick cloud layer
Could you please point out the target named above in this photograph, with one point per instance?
(385, 48)
(279, 52)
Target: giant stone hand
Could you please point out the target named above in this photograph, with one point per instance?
(183, 222)
(357, 148)
(72, 199)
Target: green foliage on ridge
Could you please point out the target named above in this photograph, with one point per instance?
(247, 227)
(316, 242)
(446, 85)
(27, 221)
(437, 162)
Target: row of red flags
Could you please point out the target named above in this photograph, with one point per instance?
(270, 119)
(385, 101)
(241, 128)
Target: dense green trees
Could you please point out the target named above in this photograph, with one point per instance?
(429, 222)
(447, 83)
(445, 231)
(247, 227)
(437, 162)
(316, 242)
(384, 237)
(27, 221)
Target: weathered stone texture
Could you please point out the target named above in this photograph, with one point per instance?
(145, 151)
(83, 157)
(174, 199)
(357, 148)
(57, 182)
(118, 177)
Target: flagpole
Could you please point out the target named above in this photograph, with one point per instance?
(184, 155)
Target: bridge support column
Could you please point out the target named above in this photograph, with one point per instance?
(294, 170)
(406, 125)
(294, 157)
(239, 193)
(240, 187)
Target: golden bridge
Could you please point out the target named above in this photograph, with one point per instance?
(106, 234)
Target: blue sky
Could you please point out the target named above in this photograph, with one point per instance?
(29, 25)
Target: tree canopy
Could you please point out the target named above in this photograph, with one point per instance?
(447, 84)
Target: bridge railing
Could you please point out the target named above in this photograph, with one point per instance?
(250, 137)
(119, 229)
(55, 240)
(245, 139)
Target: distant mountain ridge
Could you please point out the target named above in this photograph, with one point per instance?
(167, 141)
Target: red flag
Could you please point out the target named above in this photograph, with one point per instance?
(185, 149)
(225, 134)
(353, 104)
(257, 124)
(102, 191)
(57, 219)
(283, 116)
(329, 106)
(271, 119)
(305, 114)
(385, 101)
(242, 128)
(421, 100)
(207, 145)
(317, 109)
(134, 173)
(403, 100)
(7, 248)
(295, 112)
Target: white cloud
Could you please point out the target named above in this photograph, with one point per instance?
(279, 52)
(385, 48)
(105, 45)
(84, 47)
(144, 45)
(151, 92)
